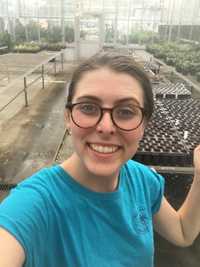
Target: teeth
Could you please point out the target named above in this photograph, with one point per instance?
(104, 149)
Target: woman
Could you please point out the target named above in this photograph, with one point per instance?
(98, 207)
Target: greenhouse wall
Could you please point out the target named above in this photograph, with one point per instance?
(189, 32)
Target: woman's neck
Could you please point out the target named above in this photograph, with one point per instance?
(75, 167)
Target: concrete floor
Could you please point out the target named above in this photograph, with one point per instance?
(26, 139)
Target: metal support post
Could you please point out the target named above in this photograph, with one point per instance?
(62, 21)
(54, 66)
(25, 92)
(171, 21)
(42, 76)
(128, 23)
(8, 74)
(77, 36)
(62, 61)
(116, 23)
(101, 31)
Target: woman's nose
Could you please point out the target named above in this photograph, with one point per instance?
(106, 124)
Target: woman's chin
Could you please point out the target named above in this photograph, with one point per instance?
(103, 169)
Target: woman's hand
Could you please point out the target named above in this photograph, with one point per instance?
(196, 160)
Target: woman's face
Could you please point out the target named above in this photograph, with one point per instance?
(103, 148)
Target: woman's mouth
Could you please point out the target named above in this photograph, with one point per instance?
(105, 149)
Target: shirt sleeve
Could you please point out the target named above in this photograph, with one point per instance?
(22, 214)
(157, 190)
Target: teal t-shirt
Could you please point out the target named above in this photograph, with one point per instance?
(61, 223)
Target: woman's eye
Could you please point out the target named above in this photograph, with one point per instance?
(88, 108)
(127, 112)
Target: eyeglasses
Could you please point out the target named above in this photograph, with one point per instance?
(125, 117)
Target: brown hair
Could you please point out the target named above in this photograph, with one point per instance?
(118, 63)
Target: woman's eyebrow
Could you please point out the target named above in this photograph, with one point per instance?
(120, 101)
(89, 97)
(128, 99)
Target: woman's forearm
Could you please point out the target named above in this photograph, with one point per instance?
(190, 210)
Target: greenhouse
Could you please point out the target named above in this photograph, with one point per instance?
(41, 44)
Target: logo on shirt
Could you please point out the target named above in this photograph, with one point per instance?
(141, 220)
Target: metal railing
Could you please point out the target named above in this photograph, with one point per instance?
(41, 69)
(7, 186)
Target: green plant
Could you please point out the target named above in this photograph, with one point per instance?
(142, 37)
(5, 40)
(170, 61)
(109, 35)
(185, 57)
(20, 32)
(33, 29)
(27, 48)
(54, 34)
(69, 34)
(3, 50)
(55, 47)
(198, 76)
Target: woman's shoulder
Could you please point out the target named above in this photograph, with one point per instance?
(138, 166)
(142, 173)
(38, 190)
(41, 182)
(42, 175)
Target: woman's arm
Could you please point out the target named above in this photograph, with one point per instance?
(183, 226)
(11, 252)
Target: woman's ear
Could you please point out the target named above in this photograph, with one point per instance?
(145, 123)
(142, 129)
(67, 118)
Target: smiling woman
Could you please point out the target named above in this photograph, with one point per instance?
(98, 208)
(109, 91)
